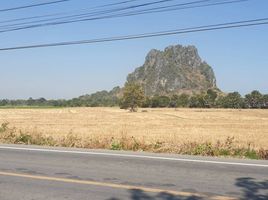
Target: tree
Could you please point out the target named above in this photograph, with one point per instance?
(173, 101)
(265, 101)
(30, 101)
(198, 101)
(133, 96)
(254, 99)
(147, 103)
(183, 100)
(164, 101)
(41, 101)
(232, 100)
(160, 101)
(210, 98)
(4, 102)
(155, 101)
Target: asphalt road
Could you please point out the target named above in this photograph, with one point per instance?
(30, 172)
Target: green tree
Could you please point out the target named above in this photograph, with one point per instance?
(210, 98)
(254, 99)
(30, 101)
(231, 100)
(164, 101)
(183, 100)
(4, 102)
(265, 101)
(147, 103)
(41, 102)
(179, 100)
(155, 101)
(198, 101)
(160, 101)
(133, 96)
(173, 101)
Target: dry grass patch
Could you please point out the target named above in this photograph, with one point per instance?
(164, 130)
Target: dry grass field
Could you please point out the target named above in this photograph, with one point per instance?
(174, 127)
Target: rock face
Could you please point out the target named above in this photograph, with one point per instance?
(177, 69)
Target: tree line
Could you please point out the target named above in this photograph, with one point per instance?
(209, 99)
(134, 97)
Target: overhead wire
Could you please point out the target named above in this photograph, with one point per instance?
(229, 25)
(33, 5)
(167, 8)
(102, 12)
(97, 12)
(62, 13)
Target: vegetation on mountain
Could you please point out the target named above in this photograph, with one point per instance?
(177, 69)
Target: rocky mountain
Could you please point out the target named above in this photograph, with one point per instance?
(177, 69)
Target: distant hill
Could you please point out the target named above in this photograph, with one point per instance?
(177, 69)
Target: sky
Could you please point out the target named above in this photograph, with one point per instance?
(239, 57)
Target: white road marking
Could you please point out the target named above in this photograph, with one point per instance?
(135, 156)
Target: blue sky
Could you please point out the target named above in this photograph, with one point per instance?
(239, 57)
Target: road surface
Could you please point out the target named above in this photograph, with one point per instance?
(32, 172)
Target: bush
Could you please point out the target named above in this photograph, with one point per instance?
(4, 127)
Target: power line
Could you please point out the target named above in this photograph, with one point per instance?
(32, 5)
(175, 7)
(238, 24)
(62, 13)
(114, 4)
(99, 12)
(103, 12)
(168, 8)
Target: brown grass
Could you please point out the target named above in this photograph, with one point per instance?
(174, 127)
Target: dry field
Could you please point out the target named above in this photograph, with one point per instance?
(166, 125)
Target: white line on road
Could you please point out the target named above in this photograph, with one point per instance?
(134, 156)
